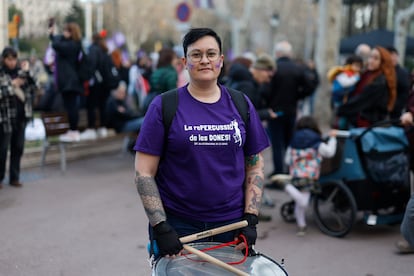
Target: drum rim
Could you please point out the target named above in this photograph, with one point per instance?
(217, 243)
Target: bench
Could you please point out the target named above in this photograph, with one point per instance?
(56, 123)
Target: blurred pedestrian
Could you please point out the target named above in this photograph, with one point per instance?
(17, 90)
(250, 78)
(289, 84)
(363, 50)
(207, 170)
(164, 77)
(407, 226)
(98, 93)
(374, 96)
(120, 116)
(67, 48)
(403, 84)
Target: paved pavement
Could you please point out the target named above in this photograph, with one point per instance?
(90, 222)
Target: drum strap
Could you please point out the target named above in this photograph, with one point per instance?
(224, 245)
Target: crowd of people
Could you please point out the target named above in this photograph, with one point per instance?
(207, 131)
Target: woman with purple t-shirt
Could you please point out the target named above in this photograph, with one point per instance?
(207, 171)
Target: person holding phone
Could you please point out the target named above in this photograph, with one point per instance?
(17, 88)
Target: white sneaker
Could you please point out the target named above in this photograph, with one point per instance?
(88, 134)
(70, 136)
(102, 132)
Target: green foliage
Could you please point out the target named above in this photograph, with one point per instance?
(76, 14)
(35, 46)
(12, 11)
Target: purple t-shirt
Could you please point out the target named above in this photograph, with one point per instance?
(201, 175)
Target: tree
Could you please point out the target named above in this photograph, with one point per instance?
(77, 15)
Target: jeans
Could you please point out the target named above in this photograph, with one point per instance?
(16, 141)
(4, 145)
(71, 103)
(407, 225)
(280, 132)
(96, 100)
(133, 125)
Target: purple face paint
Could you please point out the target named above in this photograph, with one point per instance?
(190, 66)
(218, 65)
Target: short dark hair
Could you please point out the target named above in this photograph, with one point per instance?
(392, 50)
(354, 59)
(195, 34)
(9, 52)
(308, 122)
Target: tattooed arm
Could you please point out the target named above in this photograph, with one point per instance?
(145, 169)
(254, 183)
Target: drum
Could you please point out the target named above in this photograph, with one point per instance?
(191, 265)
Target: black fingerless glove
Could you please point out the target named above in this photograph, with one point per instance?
(167, 239)
(250, 231)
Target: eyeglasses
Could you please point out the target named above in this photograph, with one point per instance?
(198, 56)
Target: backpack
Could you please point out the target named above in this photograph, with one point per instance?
(169, 101)
(108, 73)
(85, 69)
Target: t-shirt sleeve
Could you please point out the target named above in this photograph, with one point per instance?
(256, 137)
(151, 136)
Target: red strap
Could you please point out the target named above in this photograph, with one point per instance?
(223, 245)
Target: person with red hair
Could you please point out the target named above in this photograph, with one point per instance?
(375, 94)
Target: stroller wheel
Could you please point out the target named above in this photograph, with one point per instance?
(287, 211)
(334, 209)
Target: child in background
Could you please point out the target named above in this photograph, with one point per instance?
(343, 79)
(304, 156)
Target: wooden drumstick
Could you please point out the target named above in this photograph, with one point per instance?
(213, 260)
(215, 231)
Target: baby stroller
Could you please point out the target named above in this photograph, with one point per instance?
(369, 173)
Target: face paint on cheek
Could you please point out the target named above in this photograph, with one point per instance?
(190, 66)
(218, 65)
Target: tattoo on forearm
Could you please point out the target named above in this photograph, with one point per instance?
(254, 203)
(150, 197)
(252, 160)
(254, 182)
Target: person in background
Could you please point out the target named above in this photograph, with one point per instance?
(189, 181)
(164, 77)
(375, 94)
(17, 88)
(406, 246)
(403, 85)
(138, 88)
(304, 156)
(250, 78)
(98, 93)
(363, 51)
(120, 115)
(344, 79)
(289, 84)
(67, 48)
(121, 64)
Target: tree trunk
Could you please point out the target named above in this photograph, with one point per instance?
(327, 45)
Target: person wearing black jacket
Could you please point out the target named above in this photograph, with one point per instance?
(16, 94)
(68, 48)
(403, 85)
(120, 116)
(98, 93)
(291, 83)
(251, 79)
(375, 95)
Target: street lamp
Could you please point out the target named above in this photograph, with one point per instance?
(274, 23)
